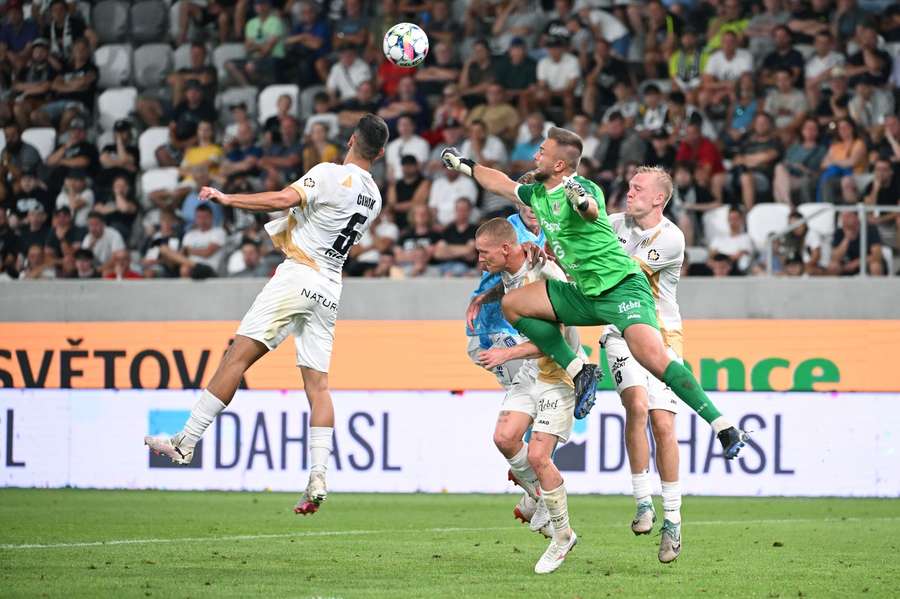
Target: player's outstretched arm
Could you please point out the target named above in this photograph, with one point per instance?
(491, 179)
(265, 201)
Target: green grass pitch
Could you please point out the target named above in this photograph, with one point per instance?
(177, 544)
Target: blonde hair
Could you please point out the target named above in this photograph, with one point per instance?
(663, 179)
(498, 229)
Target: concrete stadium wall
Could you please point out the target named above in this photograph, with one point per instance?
(228, 299)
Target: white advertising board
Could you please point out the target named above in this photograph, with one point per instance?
(406, 441)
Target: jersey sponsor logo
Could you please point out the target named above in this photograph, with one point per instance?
(619, 363)
(629, 306)
(307, 182)
(633, 316)
(320, 299)
(557, 206)
(653, 254)
(551, 227)
(546, 404)
(622, 241)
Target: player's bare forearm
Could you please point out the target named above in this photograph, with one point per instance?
(524, 351)
(496, 182)
(265, 201)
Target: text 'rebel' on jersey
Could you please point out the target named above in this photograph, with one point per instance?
(342, 201)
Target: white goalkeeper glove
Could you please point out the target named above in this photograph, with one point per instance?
(453, 161)
(576, 194)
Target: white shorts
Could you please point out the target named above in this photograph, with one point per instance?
(628, 373)
(550, 406)
(296, 301)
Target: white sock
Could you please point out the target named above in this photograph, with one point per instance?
(640, 485)
(523, 471)
(671, 496)
(558, 506)
(720, 424)
(202, 414)
(320, 445)
(575, 367)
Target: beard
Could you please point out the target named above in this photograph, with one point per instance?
(540, 176)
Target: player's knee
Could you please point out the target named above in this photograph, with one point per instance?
(538, 456)
(663, 424)
(505, 440)
(635, 409)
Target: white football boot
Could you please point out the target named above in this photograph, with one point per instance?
(314, 495)
(554, 556)
(540, 520)
(173, 448)
(524, 509)
(644, 518)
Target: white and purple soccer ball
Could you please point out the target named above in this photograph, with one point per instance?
(405, 45)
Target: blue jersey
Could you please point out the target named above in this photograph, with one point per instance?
(490, 319)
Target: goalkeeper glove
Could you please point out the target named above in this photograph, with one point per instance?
(576, 194)
(452, 160)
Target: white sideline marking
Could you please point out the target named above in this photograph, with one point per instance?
(346, 533)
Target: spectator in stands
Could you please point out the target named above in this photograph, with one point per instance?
(871, 105)
(35, 266)
(889, 144)
(121, 268)
(74, 88)
(378, 240)
(522, 157)
(30, 192)
(451, 108)
(558, 74)
(407, 101)
(516, 73)
(206, 152)
(105, 242)
(736, 246)
(33, 228)
(723, 69)
(832, 102)
(761, 28)
(420, 234)
(455, 249)
(847, 16)
(444, 193)
(252, 259)
(120, 158)
(119, 207)
(150, 108)
(786, 104)
(846, 156)
(500, 118)
(754, 164)
(64, 237)
(797, 174)
(17, 33)
(62, 30)
(439, 70)
(820, 66)
(201, 247)
(153, 264)
(729, 19)
(584, 127)
(651, 112)
(85, 264)
(318, 149)
(33, 85)
(408, 190)
(616, 148)
(75, 153)
(484, 148)
(603, 71)
(783, 57)
(183, 127)
(347, 74)
(870, 59)
(350, 111)
(9, 247)
(407, 143)
(659, 151)
(352, 27)
(799, 251)
(264, 40)
(516, 21)
(282, 161)
(884, 190)
(17, 156)
(845, 248)
(808, 19)
(201, 14)
(477, 73)
(242, 158)
(308, 45)
(201, 178)
(77, 196)
(7, 73)
(452, 135)
(322, 113)
(705, 156)
(626, 103)
(684, 65)
(694, 201)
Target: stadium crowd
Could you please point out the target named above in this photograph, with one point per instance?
(761, 110)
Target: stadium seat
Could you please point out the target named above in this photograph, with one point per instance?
(152, 63)
(696, 254)
(110, 20)
(888, 255)
(222, 54)
(42, 138)
(181, 58)
(149, 140)
(893, 49)
(236, 95)
(2, 140)
(715, 223)
(104, 139)
(84, 9)
(307, 97)
(764, 219)
(158, 178)
(821, 217)
(268, 98)
(174, 11)
(113, 61)
(149, 21)
(115, 104)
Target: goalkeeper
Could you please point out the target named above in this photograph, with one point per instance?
(608, 286)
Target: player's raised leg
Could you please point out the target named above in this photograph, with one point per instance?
(553, 492)
(663, 424)
(646, 346)
(321, 435)
(242, 353)
(636, 401)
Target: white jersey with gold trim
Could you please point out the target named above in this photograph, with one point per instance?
(341, 202)
(659, 251)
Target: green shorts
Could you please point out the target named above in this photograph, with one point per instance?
(628, 303)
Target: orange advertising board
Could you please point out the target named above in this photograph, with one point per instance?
(735, 355)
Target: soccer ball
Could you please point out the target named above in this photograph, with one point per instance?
(405, 45)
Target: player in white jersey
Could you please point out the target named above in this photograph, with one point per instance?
(658, 247)
(328, 209)
(542, 395)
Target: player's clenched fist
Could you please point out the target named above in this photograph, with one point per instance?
(452, 160)
(211, 193)
(575, 193)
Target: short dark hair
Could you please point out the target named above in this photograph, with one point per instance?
(84, 254)
(371, 135)
(204, 208)
(94, 214)
(567, 140)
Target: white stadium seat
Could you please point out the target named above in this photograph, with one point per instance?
(149, 140)
(115, 104)
(152, 62)
(2, 140)
(697, 254)
(764, 219)
(42, 138)
(225, 52)
(110, 20)
(236, 95)
(181, 58)
(268, 99)
(715, 223)
(307, 97)
(113, 61)
(821, 217)
(159, 178)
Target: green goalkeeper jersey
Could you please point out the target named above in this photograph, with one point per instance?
(588, 251)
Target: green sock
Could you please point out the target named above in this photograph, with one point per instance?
(685, 386)
(547, 336)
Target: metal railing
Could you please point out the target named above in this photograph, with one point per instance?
(860, 208)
